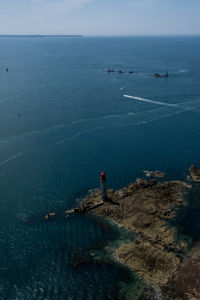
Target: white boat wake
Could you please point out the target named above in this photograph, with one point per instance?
(150, 101)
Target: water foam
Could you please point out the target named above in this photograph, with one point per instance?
(181, 71)
(150, 101)
(10, 158)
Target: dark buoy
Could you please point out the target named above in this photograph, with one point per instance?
(6, 69)
(103, 186)
(18, 115)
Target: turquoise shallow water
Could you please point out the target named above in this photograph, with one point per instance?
(75, 122)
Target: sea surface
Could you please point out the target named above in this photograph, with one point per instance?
(64, 119)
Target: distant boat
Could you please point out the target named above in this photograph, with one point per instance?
(157, 75)
(120, 72)
(111, 71)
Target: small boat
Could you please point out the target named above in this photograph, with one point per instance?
(111, 71)
(157, 75)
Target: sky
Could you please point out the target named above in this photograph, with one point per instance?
(100, 17)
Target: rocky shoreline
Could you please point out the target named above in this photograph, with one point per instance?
(148, 208)
(145, 207)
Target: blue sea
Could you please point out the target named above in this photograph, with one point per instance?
(64, 119)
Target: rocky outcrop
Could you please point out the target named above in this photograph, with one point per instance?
(156, 174)
(149, 260)
(194, 173)
(145, 207)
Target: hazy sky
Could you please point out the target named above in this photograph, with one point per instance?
(100, 17)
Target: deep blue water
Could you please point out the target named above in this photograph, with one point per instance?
(75, 122)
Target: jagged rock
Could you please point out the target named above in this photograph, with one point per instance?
(194, 173)
(156, 174)
(122, 194)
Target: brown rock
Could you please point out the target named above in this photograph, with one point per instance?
(144, 207)
(194, 173)
(187, 280)
(156, 265)
(156, 174)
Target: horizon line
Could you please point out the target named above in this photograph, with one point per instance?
(112, 35)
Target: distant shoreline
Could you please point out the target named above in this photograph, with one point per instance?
(38, 35)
